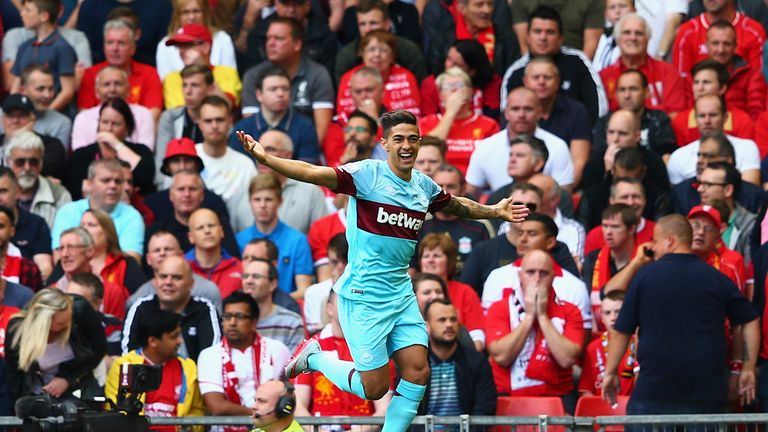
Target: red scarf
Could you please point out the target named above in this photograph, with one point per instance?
(486, 37)
(541, 365)
(229, 376)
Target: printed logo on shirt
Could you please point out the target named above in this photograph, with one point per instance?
(192, 331)
(465, 245)
(566, 85)
(389, 220)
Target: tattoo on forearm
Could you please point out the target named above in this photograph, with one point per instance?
(469, 209)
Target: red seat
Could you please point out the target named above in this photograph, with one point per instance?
(528, 406)
(595, 406)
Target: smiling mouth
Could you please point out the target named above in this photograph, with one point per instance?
(406, 156)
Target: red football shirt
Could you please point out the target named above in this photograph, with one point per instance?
(462, 137)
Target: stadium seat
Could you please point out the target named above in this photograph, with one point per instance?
(595, 406)
(528, 406)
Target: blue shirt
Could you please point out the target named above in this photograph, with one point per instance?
(384, 216)
(294, 256)
(298, 126)
(128, 223)
(53, 52)
(32, 234)
(17, 295)
(443, 390)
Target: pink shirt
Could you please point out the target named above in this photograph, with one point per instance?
(87, 121)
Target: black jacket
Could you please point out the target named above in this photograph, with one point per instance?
(89, 345)
(200, 325)
(404, 17)
(655, 128)
(440, 33)
(474, 379)
(143, 173)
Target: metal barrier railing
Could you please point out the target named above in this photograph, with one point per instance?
(542, 423)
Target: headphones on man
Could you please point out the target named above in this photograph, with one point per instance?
(286, 404)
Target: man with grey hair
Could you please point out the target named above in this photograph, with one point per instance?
(666, 90)
(112, 82)
(569, 231)
(37, 194)
(119, 49)
(37, 83)
(105, 182)
(302, 203)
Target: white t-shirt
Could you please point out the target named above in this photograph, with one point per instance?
(209, 368)
(682, 163)
(168, 58)
(229, 176)
(488, 163)
(568, 288)
(315, 298)
(655, 13)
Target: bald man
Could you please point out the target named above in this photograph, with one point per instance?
(488, 165)
(207, 258)
(173, 292)
(269, 415)
(679, 300)
(520, 364)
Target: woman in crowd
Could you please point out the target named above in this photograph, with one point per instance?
(469, 56)
(378, 50)
(168, 58)
(438, 256)
(116, 123)
(53, 345)
(108, 260)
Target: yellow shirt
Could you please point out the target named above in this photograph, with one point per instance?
(293, 427)
(225, 77)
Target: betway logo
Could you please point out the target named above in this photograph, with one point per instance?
(399, 219)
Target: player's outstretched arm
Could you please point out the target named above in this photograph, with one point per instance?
(504, 209)
(295, 169)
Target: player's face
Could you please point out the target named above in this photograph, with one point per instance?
(434, 261)
(426, 291)
(256, 281)
(402, 146)
(721, 45)
(264, 205)
(531, 236)
(631, 195)
(275, 93)
(709, 115)
(428, 160)
(615, 233)
(705, 234)
(630, 92)
(609, 312)
(633, 39)
(712, 185)
(443, 324)
(237, 323)
(705, 83)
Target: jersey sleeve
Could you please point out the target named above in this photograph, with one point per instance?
(355, 178)
(209, 371)
(439, 197)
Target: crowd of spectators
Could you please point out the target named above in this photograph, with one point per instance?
(636, 133)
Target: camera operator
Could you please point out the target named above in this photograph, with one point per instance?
(160, 338)
(53, 345)
(273, 407)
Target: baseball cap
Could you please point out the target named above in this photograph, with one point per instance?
(190, 33)
(706, 210)
(18, 102)
(180, 147)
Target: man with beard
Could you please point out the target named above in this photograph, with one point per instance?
(360, 139)
(461, 381)
(273, 91)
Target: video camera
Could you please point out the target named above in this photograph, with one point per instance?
(43, 413)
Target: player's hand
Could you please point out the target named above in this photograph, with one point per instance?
(746, 386)
(610, 387)
(514, 213)
(252, 146)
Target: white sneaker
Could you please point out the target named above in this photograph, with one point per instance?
(299, 364)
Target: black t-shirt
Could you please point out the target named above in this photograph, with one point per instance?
(465, 233)
(680, 304)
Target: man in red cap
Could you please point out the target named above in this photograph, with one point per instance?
(194, 42)
(707, 225)
(181, 156)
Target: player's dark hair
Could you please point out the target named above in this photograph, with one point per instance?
(162, 322)
(393, 118)
(241, 297)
